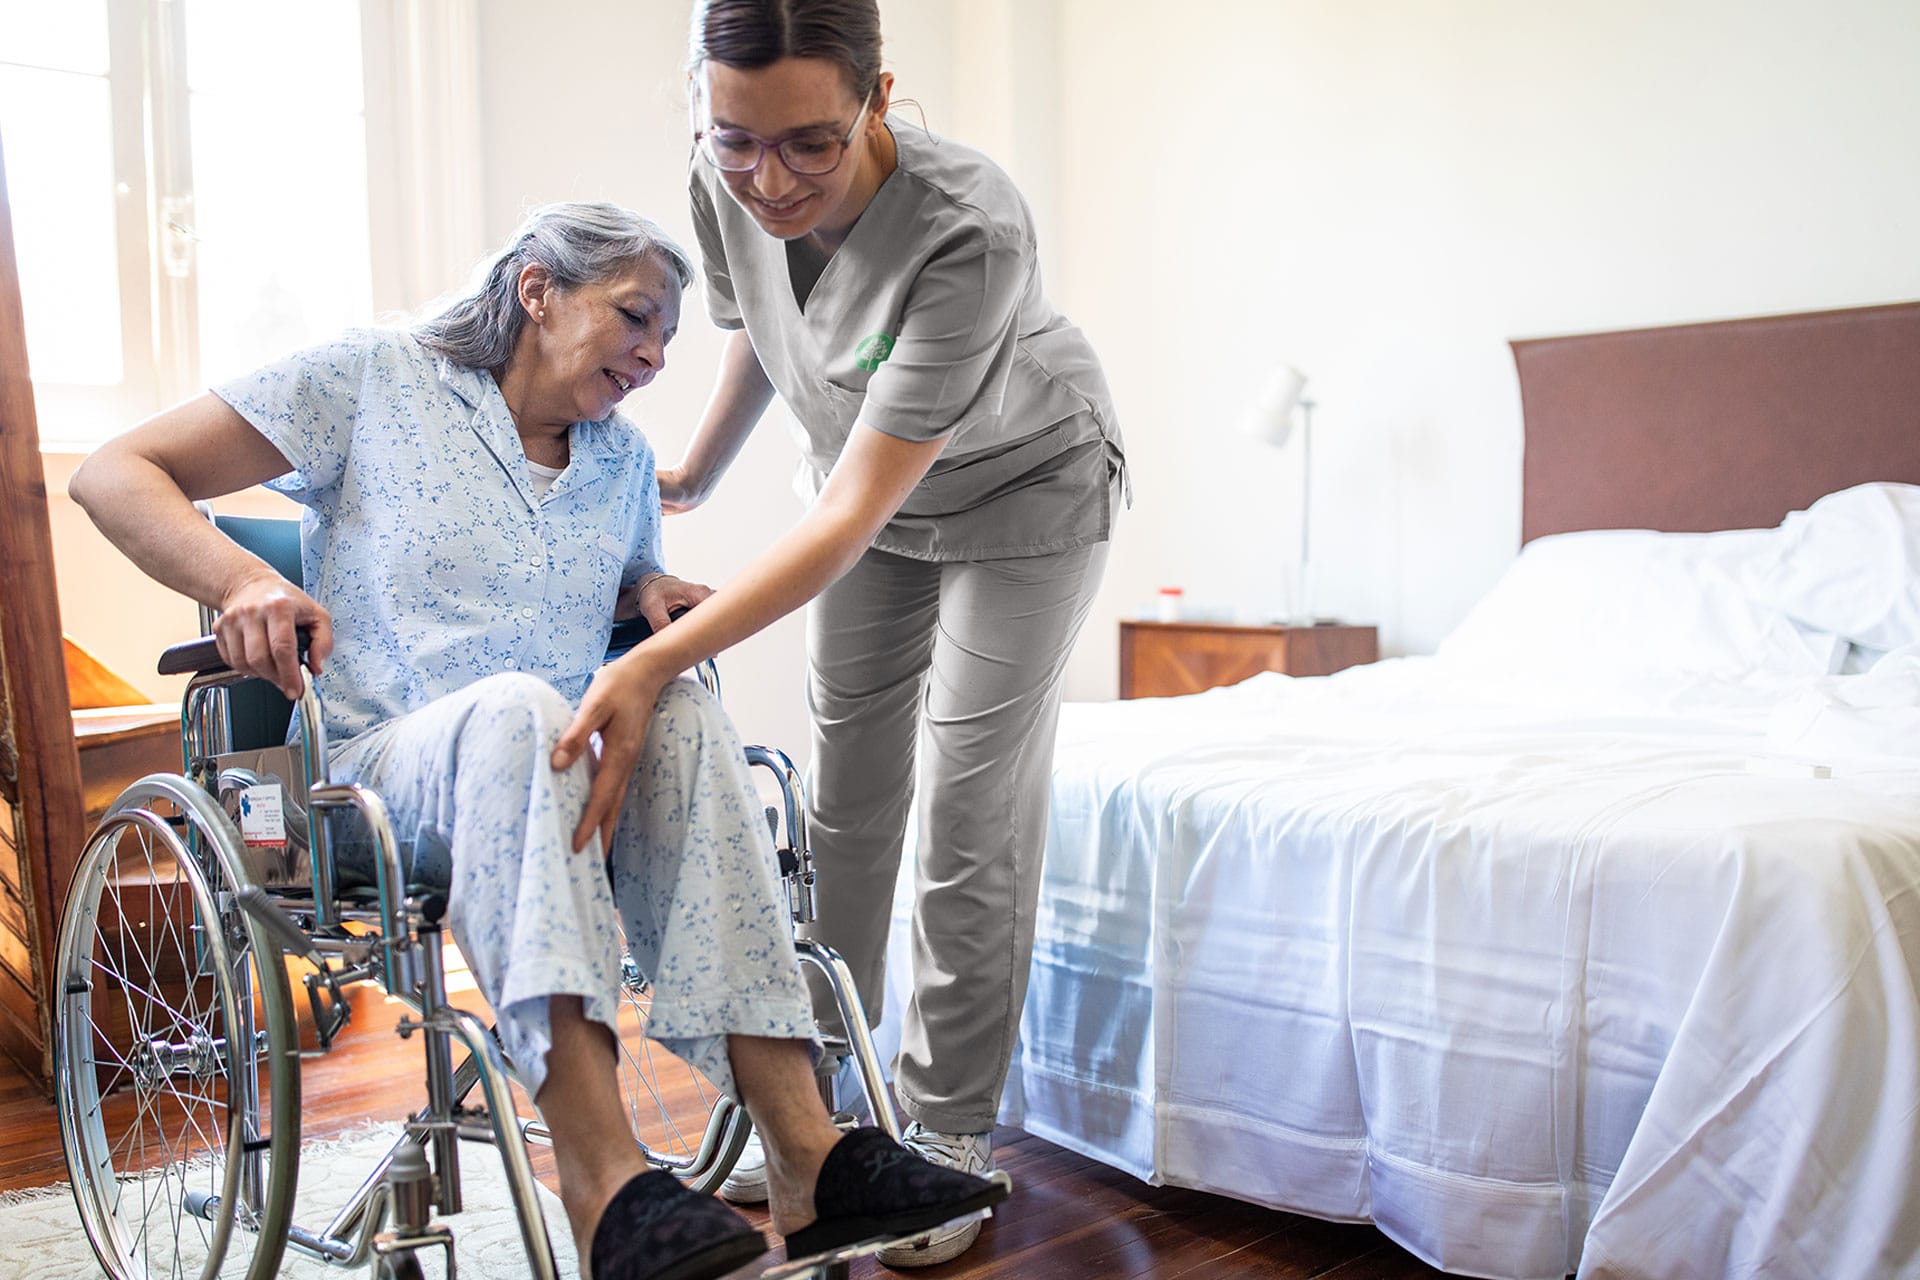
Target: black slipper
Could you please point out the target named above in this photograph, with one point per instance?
(656, 1229)
(872, 1188)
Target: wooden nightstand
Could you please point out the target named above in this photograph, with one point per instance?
(1162, 659)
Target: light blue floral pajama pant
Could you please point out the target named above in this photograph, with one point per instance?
(479, 809)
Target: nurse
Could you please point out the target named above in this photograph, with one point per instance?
(962, 465)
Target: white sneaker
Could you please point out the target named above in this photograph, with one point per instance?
(967, 1152)
(747, 1184)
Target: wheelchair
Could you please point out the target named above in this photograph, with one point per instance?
(179, 1047)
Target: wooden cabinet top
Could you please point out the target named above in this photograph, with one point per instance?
(1165, 659)
(1249, 628)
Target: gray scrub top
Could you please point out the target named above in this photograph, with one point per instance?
(929, 320)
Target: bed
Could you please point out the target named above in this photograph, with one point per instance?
(1592, 943)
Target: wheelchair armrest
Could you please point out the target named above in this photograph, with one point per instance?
(626, 635)
(202, 656)
(631, 632)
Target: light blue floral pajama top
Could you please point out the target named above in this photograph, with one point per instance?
(422, 534)
(470, 613)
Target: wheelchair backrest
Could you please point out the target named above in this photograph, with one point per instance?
(257, 713)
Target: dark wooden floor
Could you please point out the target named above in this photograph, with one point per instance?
(1070, 1218)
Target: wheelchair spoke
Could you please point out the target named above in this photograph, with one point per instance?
(671, 1107)
(120, 1073)
(124, 980)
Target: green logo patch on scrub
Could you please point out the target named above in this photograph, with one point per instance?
(873, 351)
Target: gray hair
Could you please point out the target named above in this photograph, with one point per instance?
(578, 243)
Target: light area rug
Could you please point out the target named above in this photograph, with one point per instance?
(41, 1237)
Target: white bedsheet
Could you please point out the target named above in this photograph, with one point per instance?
(1536, 979)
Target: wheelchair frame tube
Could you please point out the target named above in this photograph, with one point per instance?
(793, 798)
(391, 879)
(866, 1059)
(506, 1135)
(433, 998)
(313, 740)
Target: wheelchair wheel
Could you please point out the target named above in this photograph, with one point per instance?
(683, 1123)
(176, 1053)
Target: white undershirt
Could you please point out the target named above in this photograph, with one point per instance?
(543, 477)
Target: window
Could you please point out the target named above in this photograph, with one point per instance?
(188, 182)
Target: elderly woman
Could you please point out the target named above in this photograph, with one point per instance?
(477, 515)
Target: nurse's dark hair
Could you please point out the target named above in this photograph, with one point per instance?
(749, 34)
(578, 243)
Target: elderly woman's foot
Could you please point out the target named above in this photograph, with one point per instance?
(871, 1188)
(654, 1228)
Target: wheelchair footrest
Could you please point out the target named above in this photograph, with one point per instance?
(821, 1266)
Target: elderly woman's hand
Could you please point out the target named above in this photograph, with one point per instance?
(256, 631)
(656, 597)
(618, 707)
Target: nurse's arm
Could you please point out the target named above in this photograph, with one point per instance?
(873, 477)
(140, 487)
(741, 394)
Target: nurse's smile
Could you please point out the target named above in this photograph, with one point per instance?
(780, 210)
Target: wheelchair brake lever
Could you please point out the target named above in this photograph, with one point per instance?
(286, 935)
(331, 1011)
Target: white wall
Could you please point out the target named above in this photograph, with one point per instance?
(1384, 193)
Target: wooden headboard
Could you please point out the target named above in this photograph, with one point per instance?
(1727, 425)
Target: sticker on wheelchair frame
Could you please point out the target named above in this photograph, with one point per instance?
(263, 818)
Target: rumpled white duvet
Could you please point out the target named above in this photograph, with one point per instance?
(1538, 977)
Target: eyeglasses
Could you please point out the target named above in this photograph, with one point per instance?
(810, 152)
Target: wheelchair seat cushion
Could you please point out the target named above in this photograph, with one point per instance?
(655, 1228)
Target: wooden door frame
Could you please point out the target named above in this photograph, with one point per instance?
(40, 796)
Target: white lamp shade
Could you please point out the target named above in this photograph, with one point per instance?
(1270, 420)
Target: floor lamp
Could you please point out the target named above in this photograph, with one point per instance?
(1270, 421)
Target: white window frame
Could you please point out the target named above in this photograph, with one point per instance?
(420, 61)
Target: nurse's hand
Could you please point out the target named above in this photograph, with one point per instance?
(259, 617)
(657, 597)
(618, 707)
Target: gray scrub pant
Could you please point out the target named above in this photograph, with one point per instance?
(963, 661)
